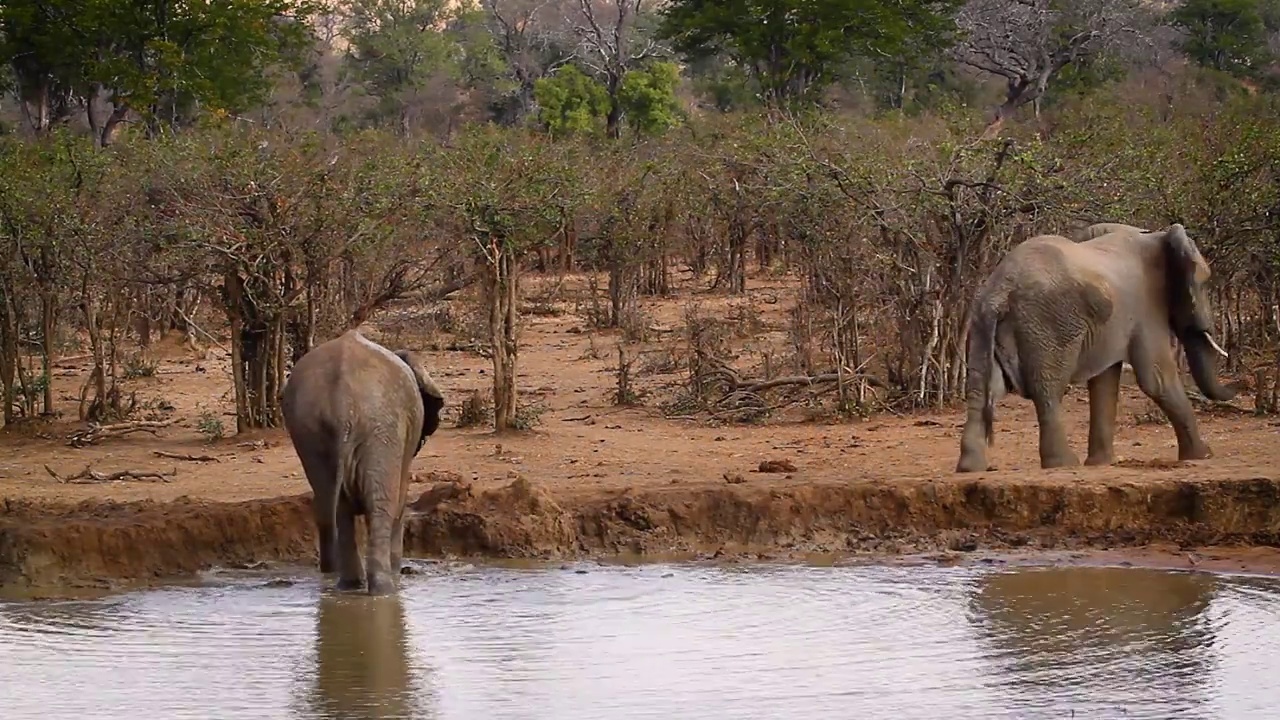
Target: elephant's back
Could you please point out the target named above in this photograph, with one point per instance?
(345, 378)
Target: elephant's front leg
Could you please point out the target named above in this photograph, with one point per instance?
(1104, 396)
(1157, 374)
(350, 569)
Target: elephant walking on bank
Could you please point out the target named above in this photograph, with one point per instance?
(357, 414)
(1055, 312)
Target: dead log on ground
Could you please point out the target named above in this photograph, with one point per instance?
(96, 432)
(88, 476)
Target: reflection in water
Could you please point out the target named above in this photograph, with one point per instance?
(664, 642)
(1099, 639)
(362, 659)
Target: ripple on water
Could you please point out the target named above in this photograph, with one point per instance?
(660, 641)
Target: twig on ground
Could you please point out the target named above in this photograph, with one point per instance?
(89, 476)
(184, 456)
(96, 432)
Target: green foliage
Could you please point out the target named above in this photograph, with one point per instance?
(397, 47)
(792, 48)
(648, 98)
(570, 102)
(1227, 35)
(481, 64)
(160, 59)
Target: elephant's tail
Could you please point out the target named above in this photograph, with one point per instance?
(983, 352)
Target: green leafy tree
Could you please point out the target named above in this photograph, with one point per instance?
(648, 98)
(162, 59)
(1226, 35)
(570, 101)
(792, 48)
(397, 48)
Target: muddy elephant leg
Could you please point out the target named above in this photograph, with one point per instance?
(323, 505)
(1158, 378)
(1104, 397)
(322, 476)
(378, 568)
(397, 543)
(1055, 451)
(350, 569)
(327, 535)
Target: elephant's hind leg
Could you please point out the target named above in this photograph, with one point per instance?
(1045, 380)
(1104, 395)
(321, 473)
(1055, 451)
(380, 482)
(378, 552)
(350, 569)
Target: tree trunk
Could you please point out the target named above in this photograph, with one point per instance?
(94, 409)
(234, 293)
(501, 287)
(8, 351)
(48, 328)
(568, 242)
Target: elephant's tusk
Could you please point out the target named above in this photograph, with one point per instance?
(1215, 345)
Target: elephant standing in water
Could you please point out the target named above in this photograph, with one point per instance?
(357, 414)
(1055, 312)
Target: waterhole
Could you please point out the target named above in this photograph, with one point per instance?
(659, 642)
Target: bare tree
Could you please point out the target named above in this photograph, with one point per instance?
(608, 46)
(533, 41)
(1028, 42)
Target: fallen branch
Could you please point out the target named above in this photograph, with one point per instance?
(184, 456)
(96, 432)
(192, 325)
(758, 386)
(88, 476)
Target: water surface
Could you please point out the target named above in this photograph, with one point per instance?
(656, 641)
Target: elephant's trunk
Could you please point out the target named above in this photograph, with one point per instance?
(1202, 357)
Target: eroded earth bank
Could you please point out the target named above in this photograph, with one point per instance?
(734, 494)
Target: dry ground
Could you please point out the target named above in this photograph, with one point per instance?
(583, 443)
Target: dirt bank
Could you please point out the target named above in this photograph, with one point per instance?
(46, 545)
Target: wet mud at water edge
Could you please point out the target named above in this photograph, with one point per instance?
(50, 548)
(659, 641)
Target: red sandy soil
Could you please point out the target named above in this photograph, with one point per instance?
(583, 443)
(585, 449)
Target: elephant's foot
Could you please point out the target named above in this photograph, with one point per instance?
(1100, 458)
(1059, 460)
(968, 463)
(380, 584)
(1195, 451)
(973, 455)
(350, 584)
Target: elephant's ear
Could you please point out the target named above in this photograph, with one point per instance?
(432, 398)
(1184, 256)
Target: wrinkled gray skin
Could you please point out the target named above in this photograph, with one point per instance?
(1055, 312)
(357, 414)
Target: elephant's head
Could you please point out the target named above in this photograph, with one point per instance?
(432, 398)
(1190, 315)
